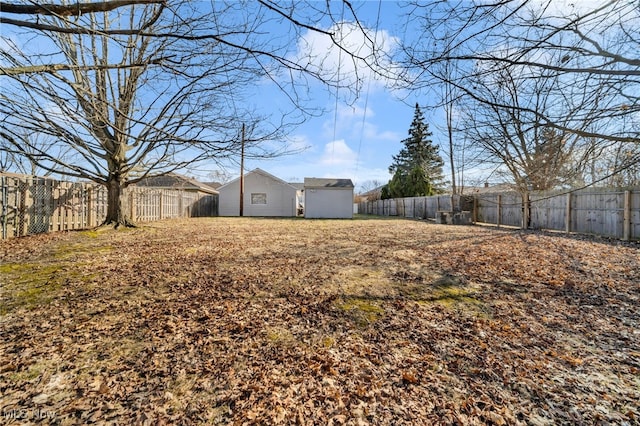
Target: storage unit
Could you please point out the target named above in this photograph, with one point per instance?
(328, 198)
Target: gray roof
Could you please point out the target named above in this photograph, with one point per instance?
(499, 188)
(175, 181)
(299, 185)
(260, 172)
(375, 191)
(327, 183)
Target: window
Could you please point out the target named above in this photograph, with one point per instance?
(258, 198)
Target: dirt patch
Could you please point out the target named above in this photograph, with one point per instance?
(254, 321)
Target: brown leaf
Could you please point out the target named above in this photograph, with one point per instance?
(409, 377)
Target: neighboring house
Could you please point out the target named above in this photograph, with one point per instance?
(214, 185)
(488, 189)
(328, 198)
(264, 195)
(176, 181)
(371, 195)
(200, 199)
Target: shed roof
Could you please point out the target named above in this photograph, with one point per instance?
(328, 183)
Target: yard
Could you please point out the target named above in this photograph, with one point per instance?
(291, 321)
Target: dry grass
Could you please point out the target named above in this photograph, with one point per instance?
(267, 321)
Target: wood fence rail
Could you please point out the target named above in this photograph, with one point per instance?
(30, 205)
(609, 212)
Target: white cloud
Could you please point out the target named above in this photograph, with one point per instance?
(298, 143)
(566, 8)
(354, 123)
(363, 175)
(370, 49)
(561, 11)
(338, 153)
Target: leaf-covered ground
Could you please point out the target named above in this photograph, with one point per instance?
(290, 321)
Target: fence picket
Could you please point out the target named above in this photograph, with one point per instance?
(609, 212)
(33, 205)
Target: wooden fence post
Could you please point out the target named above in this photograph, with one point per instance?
(22, 209)
(132, 205)
(499, 207)
(526, 212)
(55, 206)
(567, 215)
(626, 217)
(90, 207)
(75, 203)
(475, 209)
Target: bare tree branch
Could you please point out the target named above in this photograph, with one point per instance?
(53, 68)
(74, 9)
(592, 51)
(158, 86)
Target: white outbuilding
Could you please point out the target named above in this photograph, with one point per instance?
(328, 198)
(264, 195)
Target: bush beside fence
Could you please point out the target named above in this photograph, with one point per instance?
(30, 205)
(609, 212)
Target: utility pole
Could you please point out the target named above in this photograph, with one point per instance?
(242, 174)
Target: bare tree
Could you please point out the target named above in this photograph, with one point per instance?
(371, 190)
(220, 176)
(449, 99)
(71, 9)
(12, 159)
(507, 132)
(618, 166)
(148, 87)
(593, 49)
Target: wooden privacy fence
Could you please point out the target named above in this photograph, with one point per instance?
(609, 212)
(30, 205)
(415, 207)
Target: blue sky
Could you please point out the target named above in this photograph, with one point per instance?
(357, 140)
(352, 139)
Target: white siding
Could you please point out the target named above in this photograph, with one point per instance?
(330, 203)
(281, 197)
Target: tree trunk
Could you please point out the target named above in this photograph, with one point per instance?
(526, 210)
(449, 117)
(116, 212)
(451, 159)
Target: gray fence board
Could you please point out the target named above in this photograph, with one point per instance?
(610, 212)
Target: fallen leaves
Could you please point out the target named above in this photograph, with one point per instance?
(255, 321)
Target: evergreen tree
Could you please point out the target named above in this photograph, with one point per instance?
(417, 169)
